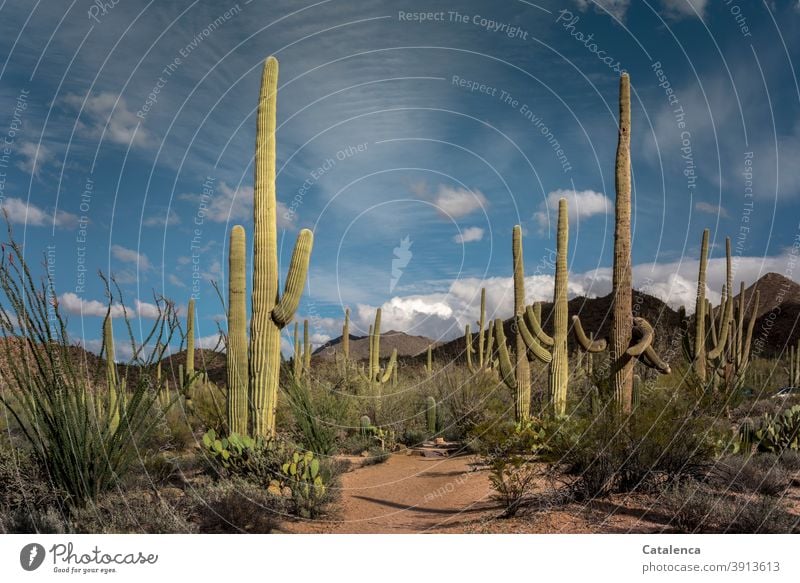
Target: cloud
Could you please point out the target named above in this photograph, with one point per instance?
(616, 8)
(130, 256)
(146, 310)
(74, 304)
(23, 213)
(235, 205)
(210, 342)
(34, 157)
(170, 220)
(458, 202)
(175, 280)
(581, 204)
(711, 209)
(106, 114)
(469, 235)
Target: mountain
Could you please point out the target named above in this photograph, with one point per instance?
(406, 345)
(774, 290)
(778, 322)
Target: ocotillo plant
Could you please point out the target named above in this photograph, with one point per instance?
(270, 310)
(517, 377)
(631, 338)
(189, 342)
(236, 350)
(552, 350)
(485, 342)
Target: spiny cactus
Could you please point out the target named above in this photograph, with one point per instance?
(236, 350)
(631, 338)
(720, 347)
(365, 424)
(430, 415)
(346, 336)
(747, 436)
(113, 403)
(794, 365)
(516, 376)
(429, 363)
(190, 341)
(485, 352)
(552, 350)
(270, 311)
(306, 348)
(375, 375)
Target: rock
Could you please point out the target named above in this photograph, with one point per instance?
(439, 441)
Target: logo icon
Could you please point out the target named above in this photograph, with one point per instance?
(402, 256)
(31, 556)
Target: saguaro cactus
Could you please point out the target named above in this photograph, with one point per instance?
(236, 351)
(346, 336)
(794, 365)
(485, 342)
(306, 349)
(429, 363)
(111, 374)
(631, 338)
(375, 375)
(189, 341)
(555, 354)
(270, 311)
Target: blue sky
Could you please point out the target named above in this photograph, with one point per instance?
(412, 136)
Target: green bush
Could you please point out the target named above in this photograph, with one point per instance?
(513, 479)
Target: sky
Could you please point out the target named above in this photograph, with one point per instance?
(412, 136)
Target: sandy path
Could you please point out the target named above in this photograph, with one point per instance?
(408, 494)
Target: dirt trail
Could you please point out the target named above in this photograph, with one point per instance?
(408, 494)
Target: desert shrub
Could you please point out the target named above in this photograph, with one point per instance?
(790, 460)
(375, 455)
(513, 479)
(696, 508)
(131, 511)
(760, 473)
(316, 433)
(413, 437)
(208, 406)
(665, 440)
(503, 438)
(465, 399)
(237, 506)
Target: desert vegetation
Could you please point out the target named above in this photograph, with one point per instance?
(557, 414)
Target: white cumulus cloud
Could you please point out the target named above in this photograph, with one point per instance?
(581, 204)
(130, 256)
(469, 235)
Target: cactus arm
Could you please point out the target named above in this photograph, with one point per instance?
(535, 326)
(346, 336)
(429, 365)
(698, 353)
(506, 369)
(531, 343)
(487, 357)
(710, 323)
(726, 311)
(190, 340)
(584, 341)
(481, 325)
(652, 360)
(236, 352)
(645, 331)
(750, 326)
(469, 349)
(284, 311)
(390, 366)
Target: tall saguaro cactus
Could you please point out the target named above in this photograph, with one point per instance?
(346, 337)
(270, 310)
(517, 377)
(631, 338)
(236, 351)
(376, 376)
(189, 342)
(530, 328)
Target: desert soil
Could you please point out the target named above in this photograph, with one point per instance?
(414, 494)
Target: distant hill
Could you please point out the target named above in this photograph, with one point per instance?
(774, 290)
(778, 323)
(406, 345)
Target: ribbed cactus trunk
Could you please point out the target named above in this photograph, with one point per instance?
(269, 313)
(699, 362)
(346, 336)
(481, 326)
(237, 332)
(306, 349)
(559, 367)
(111, 374)
(189, 341)
(523, 377)
(622, 363)
(429, 366)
